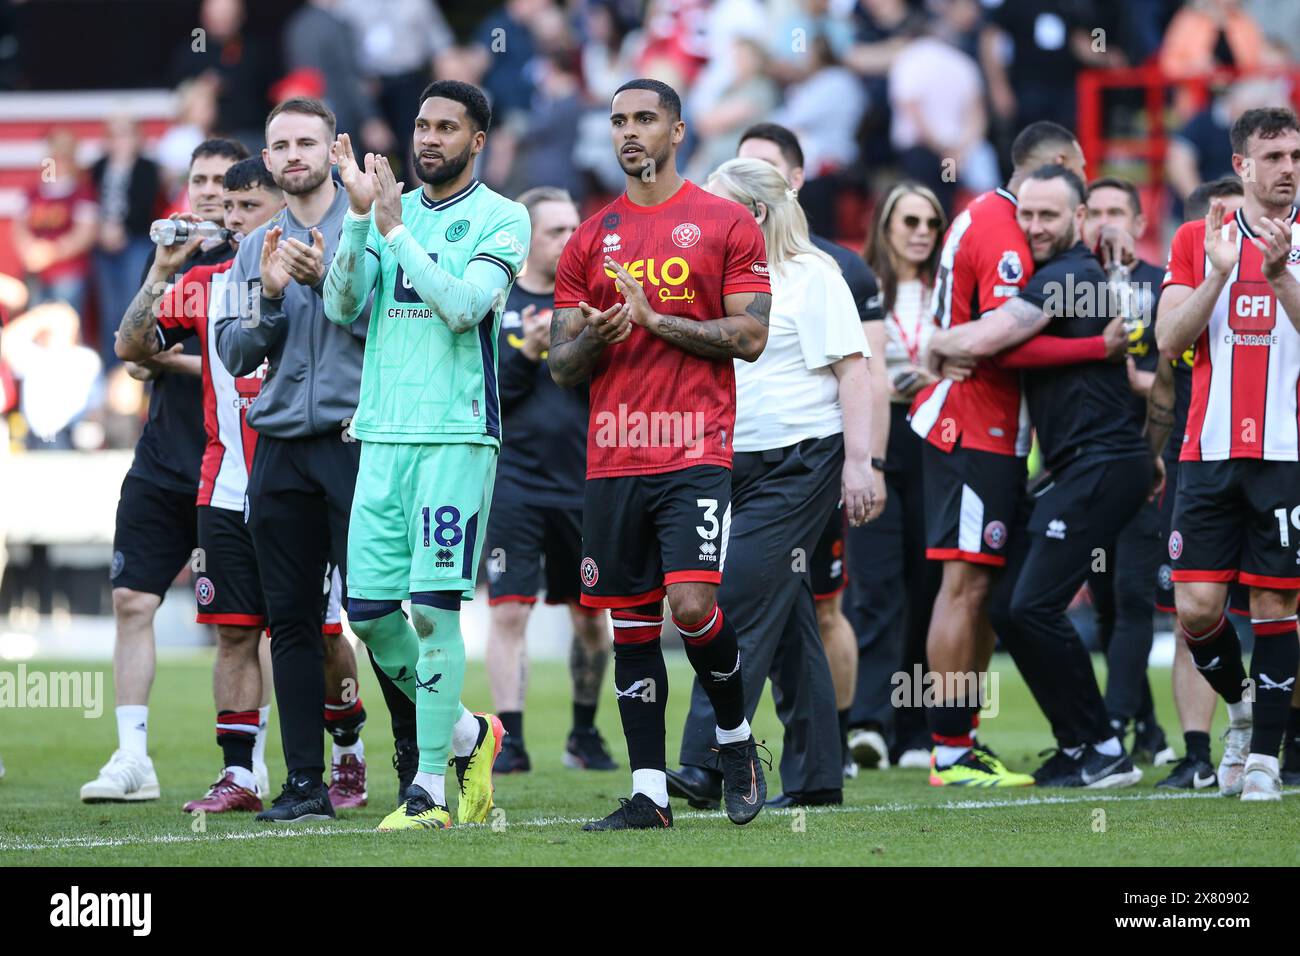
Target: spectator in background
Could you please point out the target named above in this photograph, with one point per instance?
(129, 188)
(1032, 51)
(791, 45)
(675, 49)
(936, 98)
(196, 120)
(1200, 151)
(242, 67)
(1205, 35)
(502, 58)
(317, 36)
(60, 376)
(611, 44)
(824, 110)
(547, 147)
(398, 41)
(56, 227)
(749, 97)
(1280, 22)
(881, 29)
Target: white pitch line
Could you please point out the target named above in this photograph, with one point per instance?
(79, 843)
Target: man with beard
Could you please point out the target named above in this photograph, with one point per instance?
(441, 261)
(1232, 291)
(300, 487)
(1100, 471)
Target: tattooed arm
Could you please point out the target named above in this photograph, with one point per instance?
(1008, 325)
(740, 334)
(579, 336)
(1160, 409)
(137, 333)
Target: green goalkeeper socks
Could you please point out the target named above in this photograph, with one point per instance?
(392, 640)
(440, 673)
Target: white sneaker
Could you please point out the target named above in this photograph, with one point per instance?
(869, 749)
(1261, 782)
(125, 777)
(914, 759)
(263, 780)
(1236, 744)
(851, 769)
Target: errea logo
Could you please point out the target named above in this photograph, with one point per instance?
(613, 242)
(77, 909)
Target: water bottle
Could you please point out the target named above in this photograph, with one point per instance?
(1121, 295)
(172, 232)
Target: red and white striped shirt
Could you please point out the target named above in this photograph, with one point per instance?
(1244, 400)
(185, 310)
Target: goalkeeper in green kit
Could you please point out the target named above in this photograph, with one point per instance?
(440, 260)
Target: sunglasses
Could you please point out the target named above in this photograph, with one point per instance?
(911, 222)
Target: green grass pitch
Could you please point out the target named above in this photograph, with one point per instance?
(888, 818)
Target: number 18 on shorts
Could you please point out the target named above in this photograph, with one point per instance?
(419, 517)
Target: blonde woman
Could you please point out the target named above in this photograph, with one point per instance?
(892, 589)
(803, 428)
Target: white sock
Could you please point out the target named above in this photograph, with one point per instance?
(133, 729)
(653, 783)
(1074, 753)
(738, 735)
(1262, 760)
(1111, 747)
(259, 742)
(464, 734)
(432, 784)
(358, 750)
(1239, 713)
(945, 756)
(243, 777)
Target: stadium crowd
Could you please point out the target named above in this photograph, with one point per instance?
(869, 413)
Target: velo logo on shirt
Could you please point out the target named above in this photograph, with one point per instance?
(1252, 310)
(666, 276)
(403, 291)
(457, 230)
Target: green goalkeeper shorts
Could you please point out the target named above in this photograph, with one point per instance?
(419, 517)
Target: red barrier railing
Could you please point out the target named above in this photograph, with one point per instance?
(1099, 148)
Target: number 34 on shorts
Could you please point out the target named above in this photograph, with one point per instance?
(419, 517)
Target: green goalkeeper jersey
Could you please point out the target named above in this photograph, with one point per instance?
(450, 265)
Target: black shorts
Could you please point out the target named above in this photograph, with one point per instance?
(1237, 520)
(641, 533)
(828, 571)
(154, 537)
(973, 498)
(227, 588)
(527, 545)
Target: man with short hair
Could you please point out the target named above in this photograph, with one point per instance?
(441, 260)
(156, 528)
(537, 503)
(228, 592)
(1122, 591)
(300, 487)
(1233, 291)
(977, 437)
(1167, 405)
(1100, 471)
(657, 512)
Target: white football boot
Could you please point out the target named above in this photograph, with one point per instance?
(125, 778)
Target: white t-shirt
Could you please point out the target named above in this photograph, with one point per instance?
(791, 393)
(944, 83)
